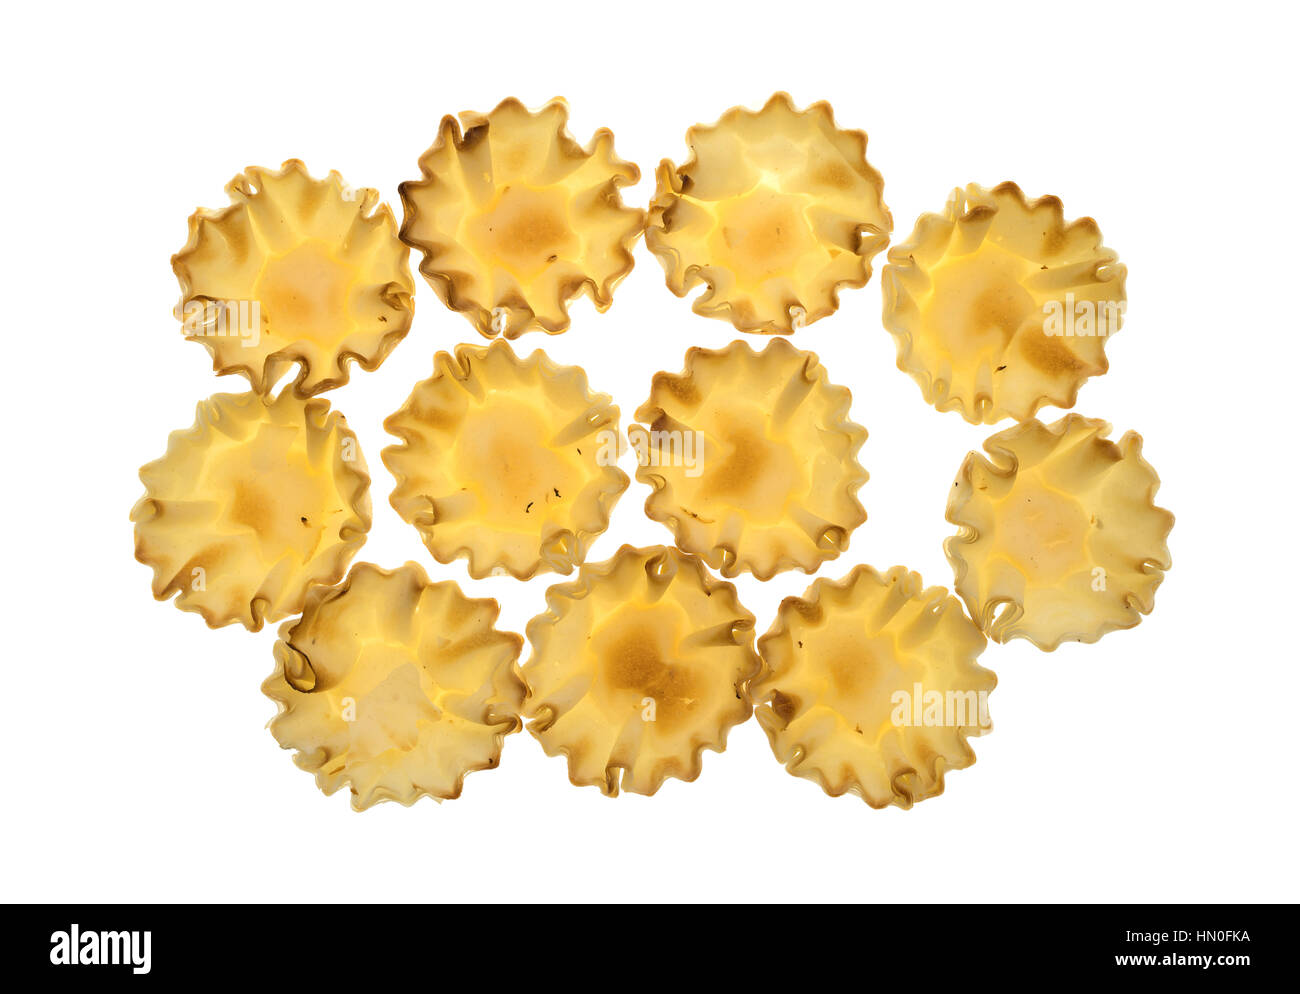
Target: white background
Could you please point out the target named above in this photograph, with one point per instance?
(1158, 764)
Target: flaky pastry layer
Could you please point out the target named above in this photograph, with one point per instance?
(395, 687)
(638, 666)
(508, 462)
(295, 270)
(999, 306)
(752, 459)
(515, 218)
(775, 211)
(870, 686)
(257, 501)
(1060, 538)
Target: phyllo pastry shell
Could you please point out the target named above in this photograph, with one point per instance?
(637, 666)
(999, 306)
(870, 686)
(295, 270)
(508, 462)
(775, 210)
(752, 459)
(1060, 538)
(257, 501)
(515, 218)
(394, 686)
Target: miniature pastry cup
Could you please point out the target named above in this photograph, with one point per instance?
(775, 211)
(515, 219)
(508, 462)
(752, 459)
(249, 507)
(870, 686)
(1060, 538)
(999, 306)
(637, 666)
(295, 270)
(394, 686)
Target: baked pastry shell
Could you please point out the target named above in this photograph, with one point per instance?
(294, 271)
(638, 666)
(395, 687)
(775, 212)
(870, 686)
(515, 219)
(507, 462)
(999, 306)
(1060, 538)
(250, 506)
(768, 430)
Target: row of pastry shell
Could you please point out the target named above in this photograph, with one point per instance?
(396, 688)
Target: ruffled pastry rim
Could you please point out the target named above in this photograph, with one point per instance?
(273, 366)
(594, 525)
(725, 558)
(956, 211)
(669, 186)
(590, 575)
(352, 533)
(444, 283)
(1000, 460)
(811, 599)
(322, 594)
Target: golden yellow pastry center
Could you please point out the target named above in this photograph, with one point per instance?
(304, 293)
